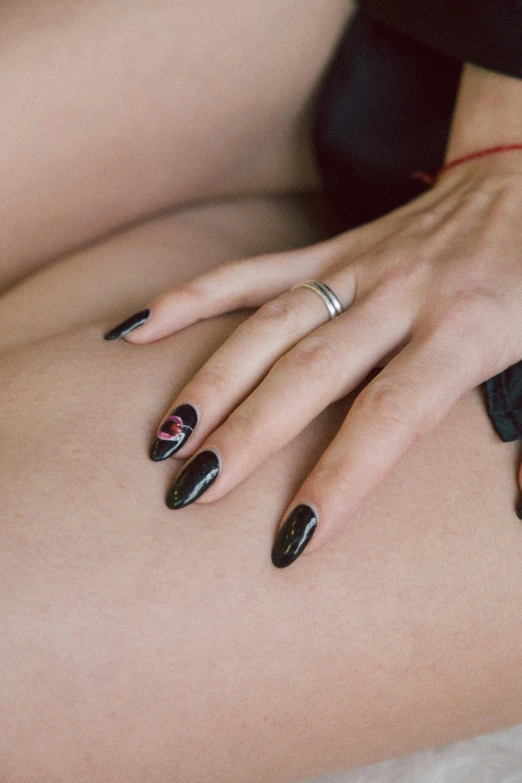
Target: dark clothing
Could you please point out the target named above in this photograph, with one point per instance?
(384, 110)
(484, 32)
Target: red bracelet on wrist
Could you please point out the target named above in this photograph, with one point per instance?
(429, 180)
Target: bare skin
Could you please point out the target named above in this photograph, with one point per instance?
(169, 636)
(140, 643)
(114, 112)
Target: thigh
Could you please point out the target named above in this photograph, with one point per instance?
(115, 111)
(140, 643)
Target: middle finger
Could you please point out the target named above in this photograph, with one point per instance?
(322, 368)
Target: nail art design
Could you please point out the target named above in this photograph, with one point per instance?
(127, 326)
(171, 428)
(295, 533)
(193, 480)
(173, 433)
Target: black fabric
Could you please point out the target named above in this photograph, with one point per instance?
(504, 402)
(384, 110)
(484, 32)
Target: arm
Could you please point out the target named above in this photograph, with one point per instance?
(488, 112)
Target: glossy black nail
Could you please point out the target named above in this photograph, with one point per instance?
(295, 533)
(193, 480)
(138, 319)
(173, 433)
(519, 510)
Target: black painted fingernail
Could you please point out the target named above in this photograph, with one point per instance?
(295, 533)
(519, 510)
(173, 433)
(193, 480)
(138, 319)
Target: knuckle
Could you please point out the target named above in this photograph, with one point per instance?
(403, 275)
(204, 286)
(334, 479)
(216, 378)
(315, 356)
(227, 269)
(423, 221)
(469, 312)
(276, 313)
(241, 427)
(386, 404)
(473, 200)
(193, 289)
(427, 219)
(477, 300)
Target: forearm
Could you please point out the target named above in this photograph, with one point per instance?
(488, 112)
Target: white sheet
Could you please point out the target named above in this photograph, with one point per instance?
(490, 758)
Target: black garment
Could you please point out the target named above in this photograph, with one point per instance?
(485, 32)
(384, 110)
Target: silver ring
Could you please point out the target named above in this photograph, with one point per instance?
(332, 303)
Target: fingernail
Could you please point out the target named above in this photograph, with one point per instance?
(138, 319)
(173, 433)
(295, 533)
(519, 510)
(193, 480)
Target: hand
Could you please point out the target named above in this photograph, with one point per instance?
(431, 293)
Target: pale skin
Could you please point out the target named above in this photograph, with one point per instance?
(431, 291)
(139, 643)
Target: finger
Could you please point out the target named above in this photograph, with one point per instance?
(241, 363)
(402, 404)
(229, 286)
(321, 368)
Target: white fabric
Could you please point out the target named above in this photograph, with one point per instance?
(490, 758)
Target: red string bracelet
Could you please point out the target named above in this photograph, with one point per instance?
(429, 180)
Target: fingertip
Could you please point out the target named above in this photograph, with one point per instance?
(141, 334)
(167, 317)
(128, 325)
(154, 328)
(294, 535)
(150, 333)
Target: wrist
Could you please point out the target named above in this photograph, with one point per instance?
(487, 162)
(487, 113)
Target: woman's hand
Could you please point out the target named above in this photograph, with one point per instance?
(431, 292)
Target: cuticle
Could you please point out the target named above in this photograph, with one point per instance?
(219, 456)
(310, 505)
(202, 451)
